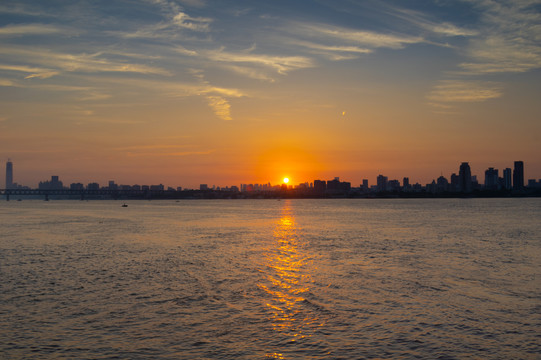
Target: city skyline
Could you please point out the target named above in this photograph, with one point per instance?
(463, 180)
(194, 91)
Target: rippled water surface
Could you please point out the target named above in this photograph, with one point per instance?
(257, 279)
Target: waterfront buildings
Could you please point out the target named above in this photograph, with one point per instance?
(518, 175)
(491, 179)
(507, 183)
(9, 175)
(464, 184)
(464, 178)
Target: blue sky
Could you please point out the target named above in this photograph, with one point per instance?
(136, 90)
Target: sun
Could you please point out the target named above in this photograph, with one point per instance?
(286, 180)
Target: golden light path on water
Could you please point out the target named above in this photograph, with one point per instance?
(287, 270)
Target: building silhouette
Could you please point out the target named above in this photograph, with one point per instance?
(491, 179)
(464, 178)
(53, 184)
(382, 183)
(320, 186)
(518, 175)
(507, 179)
(9, 175)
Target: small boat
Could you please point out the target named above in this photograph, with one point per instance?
(124, 205)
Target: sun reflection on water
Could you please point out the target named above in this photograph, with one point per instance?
(287, 280)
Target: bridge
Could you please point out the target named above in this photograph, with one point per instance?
(96, 194)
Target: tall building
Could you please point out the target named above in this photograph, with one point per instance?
(518, 175)
(382, 182)
(464, 178)
(320, 186)
(365, 184)
(491, 179)
(507, 179)
(9, 174)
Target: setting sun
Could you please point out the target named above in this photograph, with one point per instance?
(286, 180)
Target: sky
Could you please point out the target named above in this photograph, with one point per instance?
(187, 92)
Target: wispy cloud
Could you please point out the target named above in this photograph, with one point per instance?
(507, 41)
(216, 96)
(29, 29)
(365, 38)
(7, 83)
(430, 25)
(510, 40)
(281, 64)
(176, 19)
(333, 52)
(34, 72)
(453, 91)
(57, 61)
(185, 21)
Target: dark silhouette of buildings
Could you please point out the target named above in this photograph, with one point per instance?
(518, 175)
(491, 179)
(381, 182)
(464, 178)
(462, 185)
(507, 184)
(53, 184)
(320, 186)
(9, 175)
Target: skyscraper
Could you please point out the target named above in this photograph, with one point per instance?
(518, 175)
(507, 178)
(464, 178)
(9, 174)
(491, 179)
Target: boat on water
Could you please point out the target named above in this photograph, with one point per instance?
(124, 205)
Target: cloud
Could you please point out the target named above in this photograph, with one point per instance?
(249, 72)
(56, 61)
(452, 91)
(434, 27)
(34, 72)
(281, 64)
(370, 39)
(7, 83)
(176, 19)
(28, 29)
(510, 39)
(220, 106)
(333, 52)
(185, 21)
(43, 75)
(216, 97)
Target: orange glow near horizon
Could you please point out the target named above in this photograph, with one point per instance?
(286, 180)
(300, 165)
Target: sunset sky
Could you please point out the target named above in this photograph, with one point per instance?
(229, 92)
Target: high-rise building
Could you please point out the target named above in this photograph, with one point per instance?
(518, 175)
(507, 179)
(454, 182)
(320, 186)
(382, 182)
(491, 179)
(464, 178)
(365, 184)
(9, 174)
(406, 182)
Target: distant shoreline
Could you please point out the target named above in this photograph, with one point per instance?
(15, 195)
